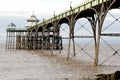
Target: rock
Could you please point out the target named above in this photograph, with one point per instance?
(112, 76)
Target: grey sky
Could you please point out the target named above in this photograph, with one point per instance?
(17, 11)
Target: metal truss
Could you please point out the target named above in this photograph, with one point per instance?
(116, 51)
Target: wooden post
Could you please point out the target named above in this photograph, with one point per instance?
(43, 40)
(36, 42)
(7, 41)
(13, 40)
(10, 40)
(59, 44)
(59, 41)
(48, 39)
(53, 41)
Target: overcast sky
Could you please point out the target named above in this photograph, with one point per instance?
(17, 11)
(40, 7)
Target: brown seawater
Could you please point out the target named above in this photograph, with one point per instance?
(37, 65)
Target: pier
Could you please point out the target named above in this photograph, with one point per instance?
(46, 36)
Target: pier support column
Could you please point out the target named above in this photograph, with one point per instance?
(69, 45)
(71, 36)
(43, 40)
(53, 39)
(43, 36)
(13, 37)
(96, 21)
(35, 39)
(7, 41)
(48, 39)
(93, 22)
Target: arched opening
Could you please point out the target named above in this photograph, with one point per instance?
(85, 13)
(110, 39)
(84, 41)
(32, 39)
(29, 40)
(58, 34)
(48, 36)
(39, 38)
(64, 35)
(33, 33)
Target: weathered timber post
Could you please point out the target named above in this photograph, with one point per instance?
(55, 30)
(39, 37)
(29, 40)
(48, 39)
(27, 43)
(43, 36)
(36, 39)
(10, 40)
(53, 40)
(13, 39)
(7, 41)
(58, 36)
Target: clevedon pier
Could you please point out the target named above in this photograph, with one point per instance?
(46, 35)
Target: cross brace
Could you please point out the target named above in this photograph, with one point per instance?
(78, 37)
(110, 34)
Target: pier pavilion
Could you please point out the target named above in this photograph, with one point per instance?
(21, 38)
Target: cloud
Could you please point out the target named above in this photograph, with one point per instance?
(39, 6)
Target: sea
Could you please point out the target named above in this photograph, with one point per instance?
(41, 65)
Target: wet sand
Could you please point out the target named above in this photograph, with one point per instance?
(37, 65)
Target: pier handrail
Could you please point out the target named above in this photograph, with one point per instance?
(79, 8)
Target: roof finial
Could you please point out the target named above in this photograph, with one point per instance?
(71, 5)
(54, 14)
(43, 19)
